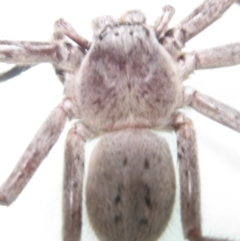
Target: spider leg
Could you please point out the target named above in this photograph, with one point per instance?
(27, 53)
(73, 182)
(64, 56)
(221, 56)
(211, 108)
(13, 72)
(11, 52)
(164, 19)
(189, 179)
(37, 150)
(204, 15)
(59, 53)
(24, 52)
(62, 27)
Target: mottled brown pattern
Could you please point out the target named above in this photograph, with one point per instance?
(73, 184)
(189, 180)
(137, 189)
(189, 177)
(204, 15)
(128, 79)
(121, 82)
(212, 108)
(37, 150)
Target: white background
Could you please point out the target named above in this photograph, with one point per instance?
(25, 102)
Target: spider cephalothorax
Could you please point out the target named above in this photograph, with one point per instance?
(134, 84)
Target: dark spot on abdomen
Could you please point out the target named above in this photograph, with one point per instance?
(143, 221)
(117, 199)
(146, 164)
(125, 161)
(118, 218)
(148, 202)
(147, 197)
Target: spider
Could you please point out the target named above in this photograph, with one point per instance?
(178, 122)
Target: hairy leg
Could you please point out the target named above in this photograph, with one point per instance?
(211, 108)
(73, 182)
(37, 150)
(64, 56)
(221, 56)
(204, 15)
(162, 22)
(63, 28)
(13, 72)
(23, 52)
(189, 180)
(217, 57)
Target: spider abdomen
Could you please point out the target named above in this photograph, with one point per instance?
(130, 186)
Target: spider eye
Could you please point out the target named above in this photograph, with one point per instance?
(133, 17)
(100, 23)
